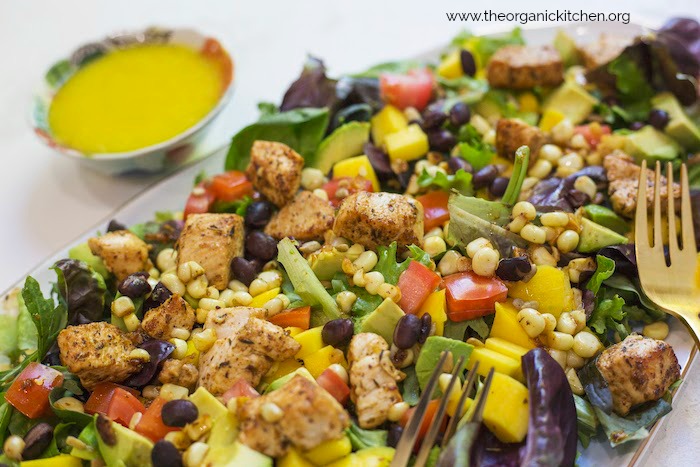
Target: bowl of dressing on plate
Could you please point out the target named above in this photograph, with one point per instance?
(137, 102)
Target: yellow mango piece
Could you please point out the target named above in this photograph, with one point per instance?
(310, 342)
(293, 331)
(507, 327)
(283, 368)
(354, 167)
(293, 458)
(506, 348)
(550, 117)
(528, 102)
(407, 144)
(380, 456)
(62, 460)
(488, 359)
(507, 409)
(451, 66)
(453, 401)
(263, 298)
(318, 361)
(387, 121)
(435, 306)
(329, 451)
(192, 355)
(550, 287)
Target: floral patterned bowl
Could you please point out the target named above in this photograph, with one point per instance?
(155, 158)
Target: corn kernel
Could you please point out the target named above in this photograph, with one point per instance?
(531, 321)
(180, 350)
(345, 300)
(658, 330)
(555, 219)
(258, 286)
(173, 283)
(397, 410)
(586, 345)
(434, 245)
(476, 245)
(204, 340)
(271, 412)
(123, 306)
(166, 259)
(173, 391)
(211, 304)
(485, 262)
(132, 322)
(197, 288)
(373, 280)
(242, 298)
(540, 169)
(140, 354)
(533, 234)
(195, 454)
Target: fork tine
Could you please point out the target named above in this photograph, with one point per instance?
(673, 250)
(478, 414)
(641, 224)
(658, 232)
(429, 439)
(688, 239)
(452, 426)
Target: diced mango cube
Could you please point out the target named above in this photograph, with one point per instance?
(263, 298)
(451, 66)
(310, 342)
(435, 306)
(507, 327)
(318, 361)
(488, 359)
(283, 368)
(550, 117)
(293, 458)
(380, 456)
(354, 167)
(550, 287)
(407, 144)
(507, 409)
(62, 460)
(505, 347)
(293, 331)
(329, 451)
(387, 121)
(528, 102)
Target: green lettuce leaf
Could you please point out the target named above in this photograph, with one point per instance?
(460, 181)
(472, 147)
(387, 264)
(362, 439)
(609, 315)
(635, 425)
(604, 270)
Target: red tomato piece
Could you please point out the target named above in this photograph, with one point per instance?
(416, 283)
(435, 211)
(230, 186)
(151, 424)
(430, 412)
(30, 391)
(297, 318)
(200, 200)
(241, 388)
(352, 184)
(414, 89)
(99, 399)
(471, 296)
(122, 406)
(334, 384)
(593, 133)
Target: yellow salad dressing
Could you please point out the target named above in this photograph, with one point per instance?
(135, 97)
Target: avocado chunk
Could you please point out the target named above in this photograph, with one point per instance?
(383, 320)
(346, 141)
(279, 382)
(567, 48)
(429, 355)
(82, 253)
(680, 127)
(207, 404)
(328, 261)
(652, 145)
(225, 450)
(607, 218)
(120, 446)
(595, 236)
(571, 100)
(492, 211)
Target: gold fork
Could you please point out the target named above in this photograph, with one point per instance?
(669, 284)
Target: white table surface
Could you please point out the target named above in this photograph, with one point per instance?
(47, 200)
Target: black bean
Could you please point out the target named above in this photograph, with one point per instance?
(513, 269)
(244, 270)
(468, 63)
(37, 440)
(179, 412)
(485, 176)
(441, 139)
(634, 126)
(434, 116)
(135, 285)
(457, 163)
(407, 331)
(114, 225)
(337, 332)
(498, 186)
(426, 324)
(165, 454)
(460, 114)
(158, 296)
(260, 245)
(658, 119)
(258, 214)
(394, 435)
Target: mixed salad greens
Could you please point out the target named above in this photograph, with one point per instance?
(293, 312)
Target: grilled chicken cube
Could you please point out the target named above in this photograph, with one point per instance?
(603, 50)
(97, 352)
(374, 219)
(212, 240)
(275, 170)
(179, 372)
(306, 218)
(160, 321)
(247, 352)
(310, 416)
(373, 379)
(524, 67)
(637, 370)
(623, 181)
(511, 133)
(122, 252)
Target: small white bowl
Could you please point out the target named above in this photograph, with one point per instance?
(150, 159)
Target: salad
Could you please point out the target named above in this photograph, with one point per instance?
(293, 312)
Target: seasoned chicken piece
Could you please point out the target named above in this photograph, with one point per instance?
(228, 321)
(122, 252)
(275, 170)
(160, 321)
(524, 67)
(97, 352)
(374, 219)
(637, 370)
(247, 352)
(310, 416)
(603, 50)
(511, 133)
(178, 372)
(623, 181)
(373, 379)
(306, 218)
(212, 240)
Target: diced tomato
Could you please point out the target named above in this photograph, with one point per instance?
(151, 424)
(30, 392)
(593, 133)
(334, 384)
(296, 318)
(416, 283)
(241, 388)
(413, 89)
(435, 211)
(471, 296)
(352, 184)
(122, 406)
(230, 186)
(200, 200)
(99, 399)
(430, 412)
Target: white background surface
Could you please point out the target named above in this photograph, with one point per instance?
(47, 200)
